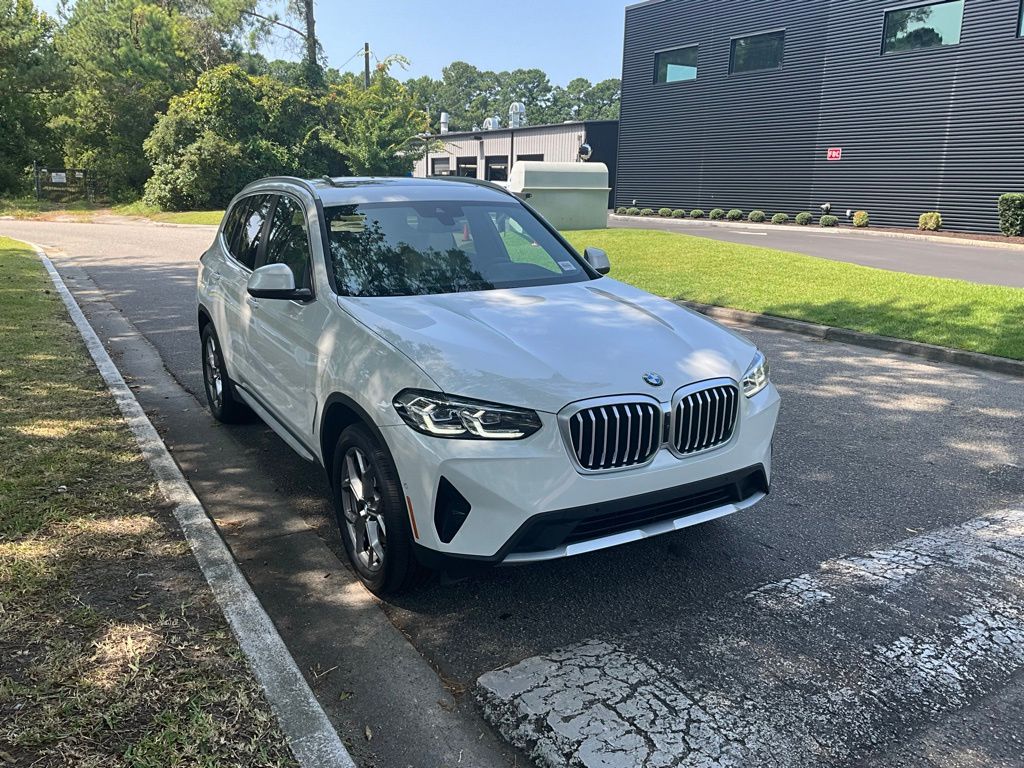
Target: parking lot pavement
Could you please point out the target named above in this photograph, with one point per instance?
(868, 612)
(979, 264)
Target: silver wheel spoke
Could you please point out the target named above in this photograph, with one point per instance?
(360, 499)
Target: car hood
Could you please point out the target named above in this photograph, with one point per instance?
(548, 346)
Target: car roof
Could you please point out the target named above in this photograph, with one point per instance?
(358, 190)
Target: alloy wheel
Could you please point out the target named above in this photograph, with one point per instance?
(361, 504)
(213, 375)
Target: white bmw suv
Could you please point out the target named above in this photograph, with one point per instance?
(475, 389)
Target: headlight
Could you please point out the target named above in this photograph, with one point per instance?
(756, 377)
(439, 415)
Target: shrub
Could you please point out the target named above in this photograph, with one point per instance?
(678, 213)
(861, 219)
(734, 215)
(716, 213)
(696, 213)
(632, 211)
(804, 218)
(930, 221)
(665, 212)
(621, 211)
(646, 211)
(780, 218)
(829, 221)
(756, 216)
(1011, 214)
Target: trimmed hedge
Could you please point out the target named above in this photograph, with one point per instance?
(780, 218)
(734, 215)
(716, 213)
(646, 211)
(1011, 214)
(930, 221)
(804, 218)
(678, 213)
(829, 221)
(756, 216)
(696, 213)
(621, 211)
(632, 211)
(665, 212)
(861, 219)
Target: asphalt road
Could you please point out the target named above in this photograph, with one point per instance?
(979, 264)
(869, 612)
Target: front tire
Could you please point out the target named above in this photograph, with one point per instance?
(220, 392)
(371, 512)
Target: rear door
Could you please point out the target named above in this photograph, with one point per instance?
(285, 334)
(247, 232)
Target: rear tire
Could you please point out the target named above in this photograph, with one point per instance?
(220, 391)
(372, 514)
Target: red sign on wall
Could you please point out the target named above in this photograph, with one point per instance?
(835, 153)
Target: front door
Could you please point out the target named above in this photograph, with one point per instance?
(284, 337)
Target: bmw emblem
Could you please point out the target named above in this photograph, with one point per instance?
(654, 379)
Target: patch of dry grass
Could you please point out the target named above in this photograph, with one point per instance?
(112, 649)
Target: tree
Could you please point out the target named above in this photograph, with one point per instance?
(28, 74)
(303, 12)
(126, 59)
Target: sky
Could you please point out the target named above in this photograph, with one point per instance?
(565, 38)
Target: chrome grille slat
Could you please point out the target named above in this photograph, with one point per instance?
(705, 419)
(615, 435)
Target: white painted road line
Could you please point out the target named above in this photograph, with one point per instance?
(822, 669)
(312, 738)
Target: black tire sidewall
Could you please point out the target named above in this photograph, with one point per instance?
(400, 565)
(230, 409)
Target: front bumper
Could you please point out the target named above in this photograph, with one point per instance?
(517, 489)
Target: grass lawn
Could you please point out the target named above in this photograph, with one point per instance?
(30, 208)
(113, 651)
(950, 313)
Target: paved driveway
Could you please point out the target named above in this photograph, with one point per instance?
(871, 611)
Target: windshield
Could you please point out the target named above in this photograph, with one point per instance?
(422, 248)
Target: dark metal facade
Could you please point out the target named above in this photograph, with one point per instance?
(929, 129)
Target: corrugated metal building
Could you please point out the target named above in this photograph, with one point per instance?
(490, 154)
(726, 108)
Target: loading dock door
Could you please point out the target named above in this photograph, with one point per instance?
(466, 166)
(496, 168)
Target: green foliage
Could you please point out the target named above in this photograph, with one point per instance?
(804, 218)
(471, 95)
(665, 212)
(734, 215)
(1011, 214)
(29, 70)
(632, 211)
(930, 221)
(678, 213)
(861, 219)
(646, 211)
(716, 214)
(757, 216)
(696, 213)
(621, 211)
(780, 218)
(829, 220)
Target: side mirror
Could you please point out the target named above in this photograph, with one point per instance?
(598, 259)
(276, 281)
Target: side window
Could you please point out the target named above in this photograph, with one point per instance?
(246, 242)
(231, 225)
(288, 241)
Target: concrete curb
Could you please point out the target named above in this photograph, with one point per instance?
(312, 738)
(705, 223)
(931, 352)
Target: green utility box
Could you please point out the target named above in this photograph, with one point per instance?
(569, 195)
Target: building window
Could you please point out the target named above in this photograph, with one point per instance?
(676, 66)
(757, 52)
(925, 26)
(530, 158)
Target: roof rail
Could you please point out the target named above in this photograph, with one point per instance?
(477, 182)
(296, 180)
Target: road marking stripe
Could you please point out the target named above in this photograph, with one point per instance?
(845, 661)
(312, 738)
